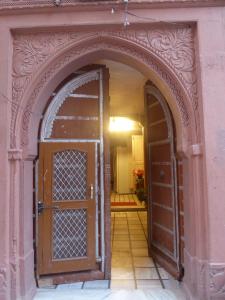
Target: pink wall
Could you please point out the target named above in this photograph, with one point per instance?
(202, 143)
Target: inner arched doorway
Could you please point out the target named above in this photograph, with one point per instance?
(74, 183)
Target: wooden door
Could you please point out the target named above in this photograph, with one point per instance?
(67, 214)
(162, 182)
(73, 183)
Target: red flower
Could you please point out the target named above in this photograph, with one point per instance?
(138, 172)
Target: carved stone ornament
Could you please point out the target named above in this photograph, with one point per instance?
(217, 282)
(169, 51)
(15, 154)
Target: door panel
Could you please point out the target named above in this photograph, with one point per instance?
(67, 222)
(74, 191)
(161, 166)
(78, 117)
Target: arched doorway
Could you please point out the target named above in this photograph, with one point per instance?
(61, 65)
(73, 235)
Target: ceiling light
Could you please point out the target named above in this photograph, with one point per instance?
(121, 124)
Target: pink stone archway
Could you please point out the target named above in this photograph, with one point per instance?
(42, 60)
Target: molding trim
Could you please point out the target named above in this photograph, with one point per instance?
(217, 281)
(12, 5)
(15, 154)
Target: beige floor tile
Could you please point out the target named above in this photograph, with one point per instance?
(120, 220)
(122, 273)
(146, 273)
(120, 214)
(118, 261)
(148, 284)
(120, 231)
(140, 252)
(122, 284)
(132, 214)
(137, 237)
(120, 226)
(143, 262)
(121, 253)
(163, 273)
(121, 237)
(144, 222)
(134, 221)
(142, 214)
(139, 244)
(136, 231)
(119, 245)
(135, 226)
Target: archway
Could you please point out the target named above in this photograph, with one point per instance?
(35, 97)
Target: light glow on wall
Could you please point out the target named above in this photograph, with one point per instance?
(121, 124)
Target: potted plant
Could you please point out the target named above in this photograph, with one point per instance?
(140, 190)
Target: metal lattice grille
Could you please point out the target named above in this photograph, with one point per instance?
(69, 233)
(69, 175)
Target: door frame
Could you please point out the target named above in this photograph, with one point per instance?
(26, 119)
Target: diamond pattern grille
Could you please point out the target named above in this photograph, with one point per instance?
(69, 175)
(69, 233)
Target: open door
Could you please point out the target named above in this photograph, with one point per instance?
(72, 194)
(67, 210)
(162, 182)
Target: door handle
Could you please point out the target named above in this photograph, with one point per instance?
(92, 191)
(41, 207)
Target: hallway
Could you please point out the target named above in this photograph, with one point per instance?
(135, 276)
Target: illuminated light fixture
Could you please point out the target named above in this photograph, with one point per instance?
(121, 124)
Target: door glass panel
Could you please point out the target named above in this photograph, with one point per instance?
(69, 233)
(69, 175)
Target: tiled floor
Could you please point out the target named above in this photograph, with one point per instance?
(135, 276)
(131, 265)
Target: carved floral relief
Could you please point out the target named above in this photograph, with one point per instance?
(217, 282)
(171, 46)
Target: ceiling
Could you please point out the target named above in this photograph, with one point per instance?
(126, 89)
